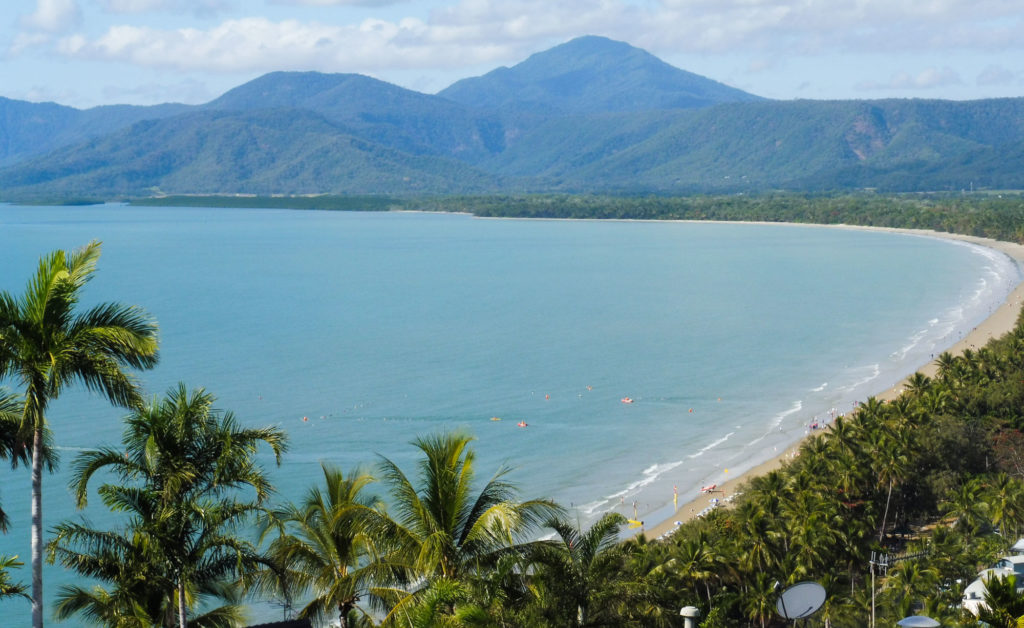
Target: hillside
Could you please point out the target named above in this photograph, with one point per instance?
(280, 151)
(30, 129)
(591, 75)
(591, 115)
(381, 112)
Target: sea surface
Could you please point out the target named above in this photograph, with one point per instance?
(357, 332)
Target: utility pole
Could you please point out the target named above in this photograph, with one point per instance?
(884, 561)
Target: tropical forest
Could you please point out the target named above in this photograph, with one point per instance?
(893, 510)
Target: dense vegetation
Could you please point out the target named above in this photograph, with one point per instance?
(1000, 217)
(591, 115)
(935, 477)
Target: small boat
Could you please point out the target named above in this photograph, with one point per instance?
(709, 488)
(522, 424)
(627, 400)
(495, 418)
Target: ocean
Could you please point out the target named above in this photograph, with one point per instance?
(357, 332)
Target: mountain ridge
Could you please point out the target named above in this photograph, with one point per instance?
(309, 133)
(591, 74)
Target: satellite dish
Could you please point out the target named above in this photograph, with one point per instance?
(801, 600)
(918, 621)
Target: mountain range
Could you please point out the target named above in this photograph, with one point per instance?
(590, 115)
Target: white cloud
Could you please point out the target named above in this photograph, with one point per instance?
(187, 91)
(53, 16)
(25, 41)
(196, 7)
(338, 3)
(995, 75)
(474, 32)
(930, 78)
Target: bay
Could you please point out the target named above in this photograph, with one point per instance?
(357, 332)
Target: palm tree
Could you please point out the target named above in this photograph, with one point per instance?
(910, 582)
(891, 466)
(696, 563)
(1005, 497)
(179, 472)
(1003, 606)
(918, 384)
(759, 599)
(11, 446)
(330, 545)
(130, 563)
(8, 588)
(579, 568)
(967, 506)
(441, 529)
(47, 345)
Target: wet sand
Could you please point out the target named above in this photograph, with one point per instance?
(1001, 321)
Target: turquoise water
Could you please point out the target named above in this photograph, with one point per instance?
(380, 327)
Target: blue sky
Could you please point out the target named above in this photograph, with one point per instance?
(85, 53)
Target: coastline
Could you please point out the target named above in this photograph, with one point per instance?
(999, 322)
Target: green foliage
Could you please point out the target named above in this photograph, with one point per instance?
(48, 344)
(590, 116)
(180, 479)
(7, 588)
(588, 75)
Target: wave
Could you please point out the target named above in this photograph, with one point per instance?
(711, 446)
(650, 474)
(876, 370)
(780, 417)
(820, 388)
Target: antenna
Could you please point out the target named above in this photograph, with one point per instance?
(801, 600)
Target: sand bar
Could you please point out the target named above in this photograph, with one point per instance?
(1000, 322)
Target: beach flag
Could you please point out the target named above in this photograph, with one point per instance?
(675, 497)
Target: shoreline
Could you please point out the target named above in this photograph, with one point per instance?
(998, 323)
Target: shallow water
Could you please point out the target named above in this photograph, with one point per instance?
(356, 332)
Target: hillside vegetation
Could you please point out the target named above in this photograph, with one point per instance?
(591, 115)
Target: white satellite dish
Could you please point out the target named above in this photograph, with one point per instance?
(918, 621)
(801, 600)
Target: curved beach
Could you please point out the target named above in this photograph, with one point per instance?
(1001, 321)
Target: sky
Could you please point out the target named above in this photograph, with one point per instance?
(85, 53)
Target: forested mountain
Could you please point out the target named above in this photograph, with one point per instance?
(590, 115)
(29, 129)
(277, 151)
(591, 75)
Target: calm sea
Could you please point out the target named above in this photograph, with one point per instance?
(356, 332)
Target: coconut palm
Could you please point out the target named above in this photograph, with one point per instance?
(180, 472)
(966, 505)
(1003, 607)
(759, 599)
(136, 581)
(441, 528)
(47, 344)
(696, 564)
(891, 464)
(908, 583)
(11, 445)
(329, 545)
(8, 588)
(580, 568)
(1005, 497)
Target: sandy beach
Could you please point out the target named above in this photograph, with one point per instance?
(1001, 321)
